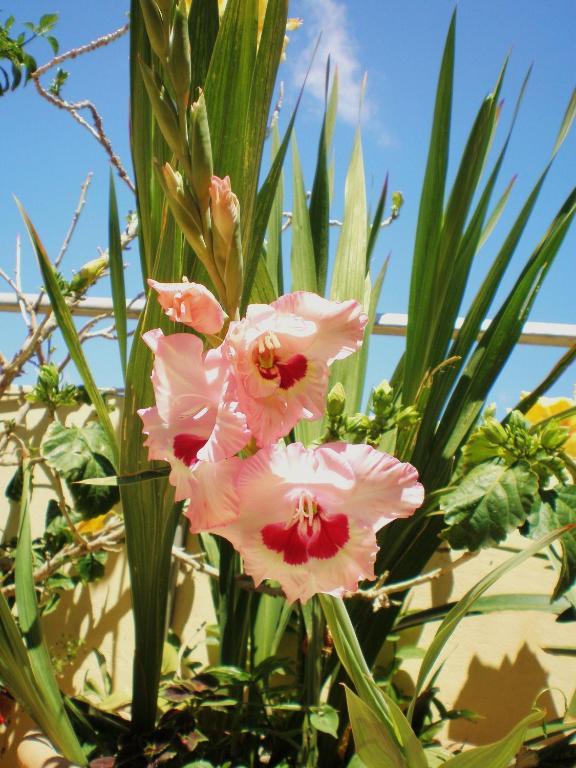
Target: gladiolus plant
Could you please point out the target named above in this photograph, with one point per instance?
(313, 510)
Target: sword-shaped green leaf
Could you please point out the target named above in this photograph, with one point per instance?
(68, 330)
(117, 276)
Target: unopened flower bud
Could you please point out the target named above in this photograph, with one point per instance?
(336, 401)
(494, 431)
(200, 153)
(163, 109)
(553, 437)
(397, 202)
(179, 58)
(407, 417)
(382, 397)
(156, 26)
(88, 274)
(358, 425)
(226, 238)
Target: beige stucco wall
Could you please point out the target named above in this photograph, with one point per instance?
(494, 664)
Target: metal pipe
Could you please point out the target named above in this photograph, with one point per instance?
(386, 324)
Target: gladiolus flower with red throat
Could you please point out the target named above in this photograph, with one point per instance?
(193, 425)
(280, 353)
(308, 517)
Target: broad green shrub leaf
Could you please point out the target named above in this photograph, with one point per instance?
(558, 507)
(325, 719)
(499, 754)
(80, 453)
(374, 744)
(491, 501)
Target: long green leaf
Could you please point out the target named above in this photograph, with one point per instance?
(261, 91)
(499, 754)
(549, 380)
(497, 343)
(466, 603)
(486, 605)
(352, 659)
(468, 334)
(349, 276)
(117, 276)
(150, 514)
(320, 196)
(372, 740)
(203, 25)
(66, 325)
(274, 245)
(264, 202)
(60, 728)
(302, 256)
(424, 269)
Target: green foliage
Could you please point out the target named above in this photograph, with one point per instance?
(13, 49)
(79, 453)
(489, 503)
(557, 507)
(51, 392)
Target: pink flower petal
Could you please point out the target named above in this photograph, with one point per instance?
(340, 324)
(385, 488)
(179, 376)
(191, 304)
(212, 494)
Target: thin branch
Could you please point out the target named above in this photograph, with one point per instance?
(380, 593)
(73, 108)
(75, 218)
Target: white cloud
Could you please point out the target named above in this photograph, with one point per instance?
(329, 19)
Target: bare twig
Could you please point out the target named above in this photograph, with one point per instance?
(75, 218)
(380, 593)
(96, 128)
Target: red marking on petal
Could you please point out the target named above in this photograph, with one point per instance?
(269, 373)
(286, 541)
(292, 370)
(333, 533)
(186, 448)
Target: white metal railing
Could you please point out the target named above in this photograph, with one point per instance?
(387, 323)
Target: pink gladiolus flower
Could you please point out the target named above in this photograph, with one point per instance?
(191, 304)
(194, 423)
(307, 517)
(280, 355)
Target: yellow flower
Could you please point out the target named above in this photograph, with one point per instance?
(550, 406)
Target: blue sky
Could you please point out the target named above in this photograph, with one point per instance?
(46, 156)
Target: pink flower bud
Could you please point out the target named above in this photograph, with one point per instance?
(191, 304)
(225, 209)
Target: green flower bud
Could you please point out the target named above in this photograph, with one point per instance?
(407, 417)
(163, 109)
(553, 436)
(155, 26)
(494, 431)
(358, 425)
(200, 153)
(336, 401)
(382, 397)
(179, 57)
(397, 202)
(88, 274)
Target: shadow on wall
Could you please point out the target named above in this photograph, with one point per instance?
(502, 696)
